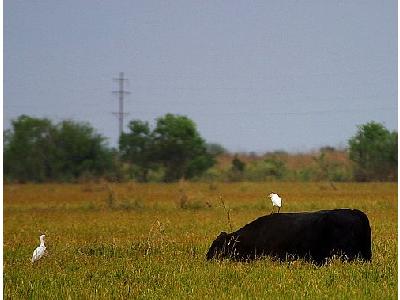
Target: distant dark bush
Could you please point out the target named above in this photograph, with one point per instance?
(237, 169)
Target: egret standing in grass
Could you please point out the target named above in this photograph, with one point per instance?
(39, 251)
(276, 201)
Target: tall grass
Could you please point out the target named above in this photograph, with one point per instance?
(156, 248)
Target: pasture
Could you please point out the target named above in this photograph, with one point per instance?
(149, 241)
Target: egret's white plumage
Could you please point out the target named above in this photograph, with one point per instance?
(276, 200)
(39, 251)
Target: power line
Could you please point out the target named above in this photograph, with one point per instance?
(121, 93)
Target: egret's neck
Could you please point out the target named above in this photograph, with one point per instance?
(41, 241)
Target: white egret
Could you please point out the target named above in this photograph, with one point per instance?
(276, 201)
(39, 251)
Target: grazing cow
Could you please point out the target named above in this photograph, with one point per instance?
(313, 236)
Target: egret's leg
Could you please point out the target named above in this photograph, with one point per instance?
(279, 209)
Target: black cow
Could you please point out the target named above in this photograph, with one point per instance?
(313, 236)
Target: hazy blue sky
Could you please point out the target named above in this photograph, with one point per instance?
(253, 75)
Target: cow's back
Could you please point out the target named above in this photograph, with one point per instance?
(283, 234)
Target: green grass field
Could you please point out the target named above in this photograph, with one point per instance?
(149, 241)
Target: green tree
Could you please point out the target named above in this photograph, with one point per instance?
(37, 150)
(28, 148)
(374, 151)
(136, 148)
(80, 151)
(179, 147)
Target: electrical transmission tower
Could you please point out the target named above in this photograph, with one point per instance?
(121, 93)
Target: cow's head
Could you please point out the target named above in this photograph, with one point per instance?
(218, 247)
(224, 246)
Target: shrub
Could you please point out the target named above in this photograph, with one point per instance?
(374, 151)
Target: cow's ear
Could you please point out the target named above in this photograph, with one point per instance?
(222, 234)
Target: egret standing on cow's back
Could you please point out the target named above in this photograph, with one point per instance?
(39, 251)
(276, 201)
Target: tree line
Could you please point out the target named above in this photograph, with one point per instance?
(37, 150)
